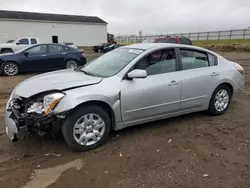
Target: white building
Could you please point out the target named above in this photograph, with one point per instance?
(48, 28)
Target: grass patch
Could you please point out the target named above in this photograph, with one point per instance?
(222, 42)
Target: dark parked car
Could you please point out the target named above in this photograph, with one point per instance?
(100, 47)
(111, 47)
(41, 57)
(170, 39)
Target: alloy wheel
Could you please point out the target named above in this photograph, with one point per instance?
(71, 64)
(221, 100)
(10, 69)
(89, 129)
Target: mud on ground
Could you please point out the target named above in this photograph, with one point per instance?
(190, 151)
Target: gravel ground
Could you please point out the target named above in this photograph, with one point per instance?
(190, 151)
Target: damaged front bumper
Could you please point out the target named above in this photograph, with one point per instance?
(11, 127)
(20, 124)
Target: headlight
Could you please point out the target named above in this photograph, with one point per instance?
(50, 101)
(47, 105)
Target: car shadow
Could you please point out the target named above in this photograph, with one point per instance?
(48, 143)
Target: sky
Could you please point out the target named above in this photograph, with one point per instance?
(126, 17)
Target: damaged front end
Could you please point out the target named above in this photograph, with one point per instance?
(33, 115)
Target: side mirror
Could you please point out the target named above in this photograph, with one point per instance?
(137, 73)
(17, 43)
(26, 53)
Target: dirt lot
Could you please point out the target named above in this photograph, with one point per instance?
(189, 151)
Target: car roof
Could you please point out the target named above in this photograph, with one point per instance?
(147, 46)
(62, 44)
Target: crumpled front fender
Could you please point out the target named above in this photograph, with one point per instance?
(68, 103)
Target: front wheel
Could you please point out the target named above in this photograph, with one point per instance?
(86, 128)
(220, 100)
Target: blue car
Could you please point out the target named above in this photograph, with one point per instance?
(41, 57)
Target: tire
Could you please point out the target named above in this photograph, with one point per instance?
(78, 123)
(71, 64)
(10, 69)
(219, 98)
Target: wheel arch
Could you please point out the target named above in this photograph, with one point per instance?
(2, 49)
(71, 58)
(101, 104)
(229, 85)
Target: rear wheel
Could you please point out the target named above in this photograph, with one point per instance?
(220, 100)
(71, 64)
(86, 128)
(10, 69)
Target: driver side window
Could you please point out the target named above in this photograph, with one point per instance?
(37, 49)
(159, 62)
(23, 41)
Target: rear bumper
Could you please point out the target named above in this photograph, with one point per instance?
(83, 61)
(239, 87)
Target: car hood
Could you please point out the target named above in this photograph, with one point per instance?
(57, 80)
(6, 45)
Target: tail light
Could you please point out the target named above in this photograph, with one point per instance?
(239, 68)
(82, 53)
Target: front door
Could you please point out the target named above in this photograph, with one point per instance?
(198, 78)
(35, 58)
(156, 95)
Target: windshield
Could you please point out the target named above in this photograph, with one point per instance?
(111, 63)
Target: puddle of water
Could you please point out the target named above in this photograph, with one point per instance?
(42, 178)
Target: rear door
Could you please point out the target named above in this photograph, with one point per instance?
(56, 55)
(199, 78)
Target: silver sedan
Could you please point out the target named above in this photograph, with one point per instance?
(128, 86)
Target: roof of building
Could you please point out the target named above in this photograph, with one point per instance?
(5, 14)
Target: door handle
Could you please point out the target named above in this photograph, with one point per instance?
(44, 55)
(173, 83)
(64, 53)
(214, 74)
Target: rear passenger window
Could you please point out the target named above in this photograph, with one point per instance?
(33, 41)
(55, 48)
(192, 59)
(185, 41)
